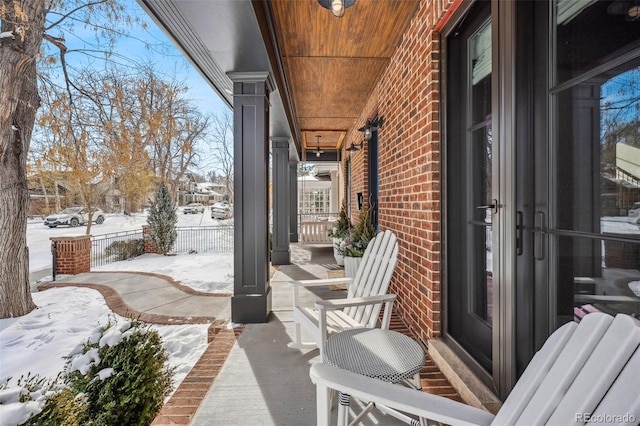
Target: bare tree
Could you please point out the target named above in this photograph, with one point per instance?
(171, 126)
(222, 146)
(24, 25)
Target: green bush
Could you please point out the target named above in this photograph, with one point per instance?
(119, 377)
(136, 389)
(62, 409)
(124, 250)
(343, 225)
(162, 220)
(363, 233)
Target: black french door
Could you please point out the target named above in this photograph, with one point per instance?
(469, 177)
(542, 174)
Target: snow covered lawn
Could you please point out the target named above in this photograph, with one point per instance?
(66, 317)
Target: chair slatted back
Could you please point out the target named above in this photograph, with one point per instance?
(572, 375)
(373, 276)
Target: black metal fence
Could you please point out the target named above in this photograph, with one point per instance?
(109, 248)
(204, 239)
(114, 247)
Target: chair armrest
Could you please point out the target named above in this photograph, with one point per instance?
(418, 403)
(331, 305)
(335, 304)
(320, 282)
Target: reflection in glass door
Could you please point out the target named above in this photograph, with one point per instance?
(596, 174)
(469, 187)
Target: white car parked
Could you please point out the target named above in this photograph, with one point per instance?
(193, 208)
(220, 211)
(634, 214)
(73, 216)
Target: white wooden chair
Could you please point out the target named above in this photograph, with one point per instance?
(366, 293)
(585, 373)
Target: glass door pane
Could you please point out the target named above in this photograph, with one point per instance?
(469, 183)
(597, 168)
(480, 224)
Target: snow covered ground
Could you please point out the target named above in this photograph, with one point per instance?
(206, 272)
(36, 343)
(38, 235)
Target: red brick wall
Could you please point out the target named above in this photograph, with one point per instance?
(148, 244)
(407, 98)
(73, 254)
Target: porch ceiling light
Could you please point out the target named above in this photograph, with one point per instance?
(336, 7)
(318, 151)
(370, 126)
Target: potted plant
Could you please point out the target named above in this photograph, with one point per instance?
(339, 233)
(357, 244)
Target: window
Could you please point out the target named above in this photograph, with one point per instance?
(314, 201)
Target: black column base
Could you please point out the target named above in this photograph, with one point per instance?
(251, 308)
(280, 257)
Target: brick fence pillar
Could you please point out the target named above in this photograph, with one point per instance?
(148, 244)
(73, 254)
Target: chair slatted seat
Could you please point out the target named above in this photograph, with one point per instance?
(585, 372)
(366, 294)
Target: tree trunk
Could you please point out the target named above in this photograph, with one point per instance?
(47, 210)
(58, 205)
(19, 100)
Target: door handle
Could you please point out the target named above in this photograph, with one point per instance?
(493, 206)
(519, 233)
(538, 236)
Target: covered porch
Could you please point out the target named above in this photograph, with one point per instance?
(261, 380)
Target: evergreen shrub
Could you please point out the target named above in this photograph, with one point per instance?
(162, 221)
(117, 377)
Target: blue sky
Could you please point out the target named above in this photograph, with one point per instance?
(171, 61)
(143, 45)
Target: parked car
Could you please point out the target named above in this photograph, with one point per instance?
(220, 211)
(634, 214)
(73, 216)
(194, 208)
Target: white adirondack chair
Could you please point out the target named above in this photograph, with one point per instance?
(585, 373)
(366, 293)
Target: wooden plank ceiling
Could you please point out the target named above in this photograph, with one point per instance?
(332, 64)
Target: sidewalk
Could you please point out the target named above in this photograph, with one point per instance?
(152, 298)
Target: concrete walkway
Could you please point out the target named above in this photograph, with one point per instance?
(265, 382)
(152, 298)
(247, 374)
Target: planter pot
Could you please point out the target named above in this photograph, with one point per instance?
(336, 254)
(351, 265)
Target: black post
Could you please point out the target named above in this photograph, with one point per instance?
(54, 255)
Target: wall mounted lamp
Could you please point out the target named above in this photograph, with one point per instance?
(353, 148)
(370, 126)
(336, 7)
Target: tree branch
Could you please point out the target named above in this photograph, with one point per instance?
(67, 15)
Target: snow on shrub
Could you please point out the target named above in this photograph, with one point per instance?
(118, 376)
